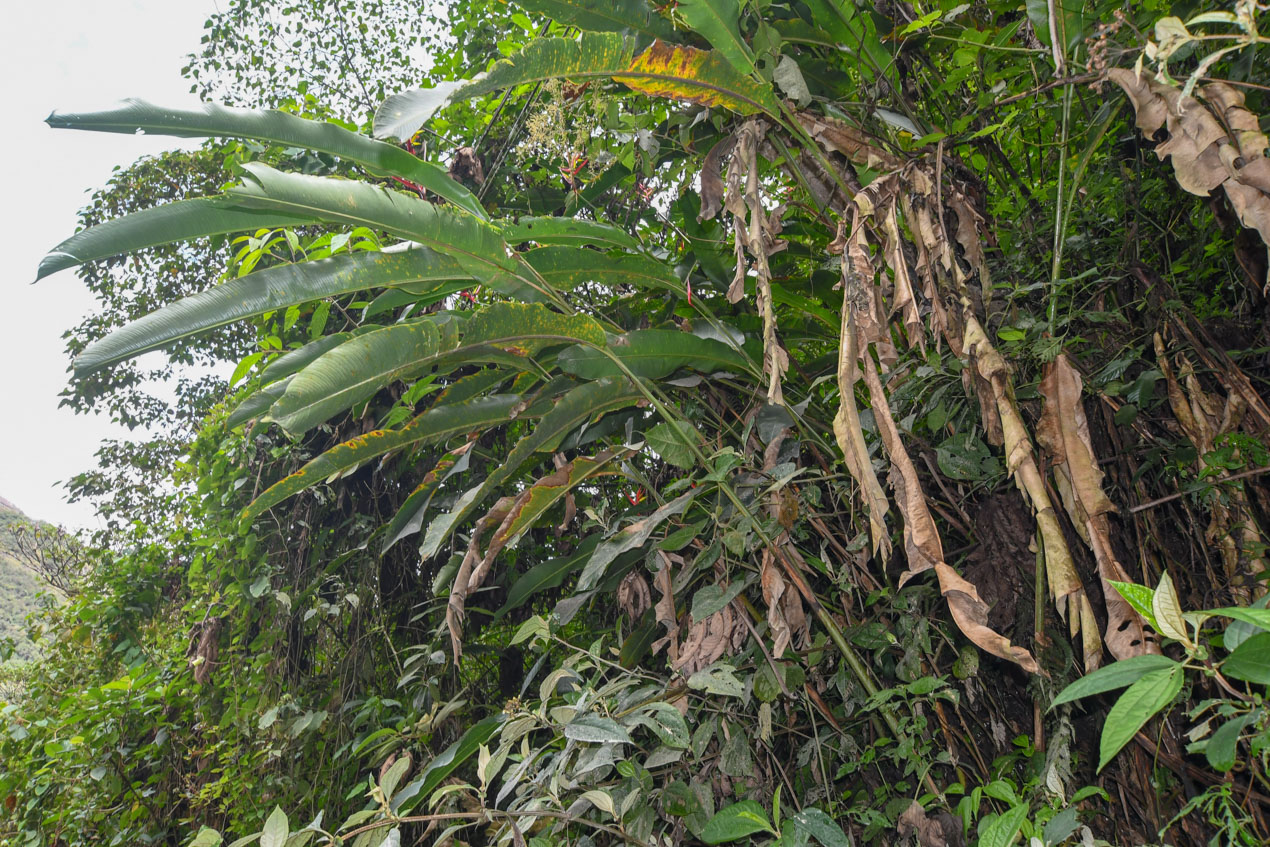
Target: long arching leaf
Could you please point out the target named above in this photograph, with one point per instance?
(474, 243)
(604, 15)
(268, 125)
(580, 405)
(653, 354)
(432, 425)
(180, 220)
(571, 231)
(256, 404)
(717, 20)
(662, 70)
(409, 518)
(265, 291)
(566, 268)
(354, 371)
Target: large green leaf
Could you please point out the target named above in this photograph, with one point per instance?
(604, 15)
(1250, 661)
(265, 291)
(442, 766)
(294, 361)
(662, 70)
(354, 371)
(1113, 676)
(276, 127)
(1138, 704)
(571, 231)
(575, 408)
(548, 574)
(401, 115)
(732, 823)
(474, 243)
(256, 404)
(432, 425)
(566, 268)
(358, 368)
(717, 21)
(653, 354)
(180, 220)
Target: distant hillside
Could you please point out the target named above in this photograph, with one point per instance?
(19, 588)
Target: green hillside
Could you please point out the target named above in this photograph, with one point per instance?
(19, 588)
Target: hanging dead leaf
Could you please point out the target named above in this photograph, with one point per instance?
(712, 178)
(633, 595)
(1066, 589)
(1064, 433)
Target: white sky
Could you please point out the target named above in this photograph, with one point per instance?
(66, 54)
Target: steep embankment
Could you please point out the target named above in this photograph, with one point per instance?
(19, 588)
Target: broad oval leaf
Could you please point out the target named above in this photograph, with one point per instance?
(179, 220)
(1003, 830)
(1113, 676)
(816, 823)
(1136, 706)
(1250, 661)
(1221, 750)
(401, 115)
(662, 70)
(276, 830)
(732, 823)
(653, 354)
(595, 729)
(265, 291)
(269, 125)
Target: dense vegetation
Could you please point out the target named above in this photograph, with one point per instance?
(20, 590)
(716, 422)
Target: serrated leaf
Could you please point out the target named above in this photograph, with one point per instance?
(732, 823)
(1138, 704)
(1113, 676)
(180, 220)
(654, 354)
(212, 120)
(1250, 661)
(265, 291)
(662, 70)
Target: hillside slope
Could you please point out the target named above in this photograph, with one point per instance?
(19, 588)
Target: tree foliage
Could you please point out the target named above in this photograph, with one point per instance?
(735, 431)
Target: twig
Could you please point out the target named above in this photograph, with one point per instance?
(1159, 501)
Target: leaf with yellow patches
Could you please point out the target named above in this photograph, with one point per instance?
(662, 70)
